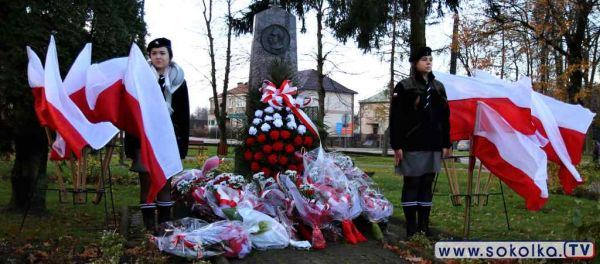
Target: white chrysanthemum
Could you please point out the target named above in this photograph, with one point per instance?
(269, 110)
(252, 131)
(277, 116)
(290, 118)
(258, 113)
(292, 125)
(268, 118)
(301, 129)
(265, 127)
(256, 121)
(278, 123)
(288, 109)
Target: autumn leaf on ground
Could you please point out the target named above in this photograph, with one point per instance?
(90, 252)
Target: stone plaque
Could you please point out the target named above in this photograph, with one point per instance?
(275, 39)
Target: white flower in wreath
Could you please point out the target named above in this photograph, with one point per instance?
(290, 118)
(278, 123)
(252, 131)
(256, 121)
(301, 129)
(269, 110)
(268, 118)
(265, 127)
(292, 125)
(258, 113)
(277, 116)
(288, 109)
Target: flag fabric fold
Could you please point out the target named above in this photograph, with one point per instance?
(124, 92)
(463, 93)
(514, 157)
(56, 110)
(563, 125)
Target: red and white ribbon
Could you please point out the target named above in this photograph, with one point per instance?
(283, 97)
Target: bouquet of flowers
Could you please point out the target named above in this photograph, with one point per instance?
(279, 132)
(194, 238)
(339, 192)
(224, 191)
(313, 210)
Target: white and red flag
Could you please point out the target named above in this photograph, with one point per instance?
(124, 91)
(56, 110)
(563, 125)
(514, 157)
(465, 92)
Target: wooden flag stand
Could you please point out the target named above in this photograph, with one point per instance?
(481, 193)
(79, 174)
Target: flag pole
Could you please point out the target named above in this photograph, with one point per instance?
(468, 196)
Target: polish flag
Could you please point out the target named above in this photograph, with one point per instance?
(514, 157)
(124, 91)
(564, 125)
(56, 110)
(74, 85)
(463, 94)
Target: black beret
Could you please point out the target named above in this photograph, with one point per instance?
(417, 53)
(160, 42)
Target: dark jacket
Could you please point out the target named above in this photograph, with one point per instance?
(414, 128)
(181, 124)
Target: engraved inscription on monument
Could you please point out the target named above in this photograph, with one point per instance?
(275, 39)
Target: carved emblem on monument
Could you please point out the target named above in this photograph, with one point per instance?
(275, 39)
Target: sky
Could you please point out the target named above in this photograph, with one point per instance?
(182, 22)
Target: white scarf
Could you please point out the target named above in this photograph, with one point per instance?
(174, 77)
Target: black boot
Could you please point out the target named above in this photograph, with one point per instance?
(410, 214)
(148, 215)
(423, 223)
(164, 211)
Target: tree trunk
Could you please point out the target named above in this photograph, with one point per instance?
(417, 24)
(454, 45)
(28, 175)
(223, 112)
(320, 77)
(386, 133)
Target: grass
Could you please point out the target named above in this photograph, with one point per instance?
(554, 221)
(73, 228)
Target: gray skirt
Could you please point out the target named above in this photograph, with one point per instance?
(417, 163)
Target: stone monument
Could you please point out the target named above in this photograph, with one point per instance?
(274, 39)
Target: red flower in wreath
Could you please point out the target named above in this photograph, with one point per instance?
(258, 156)
(266, 171)
(308, 141)
(292, 167)
(272, 159)
(267, 149)
(248, 155)
(285, 134)
(283, 160)
(297, 156)
(274, 135)
(289, 148)
(278, 146)
(250, 141)
(254, 166)
(261, 138)
(298, 140)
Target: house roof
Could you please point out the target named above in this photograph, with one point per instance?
(307, 80)
(380, 97)
(240, 89)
